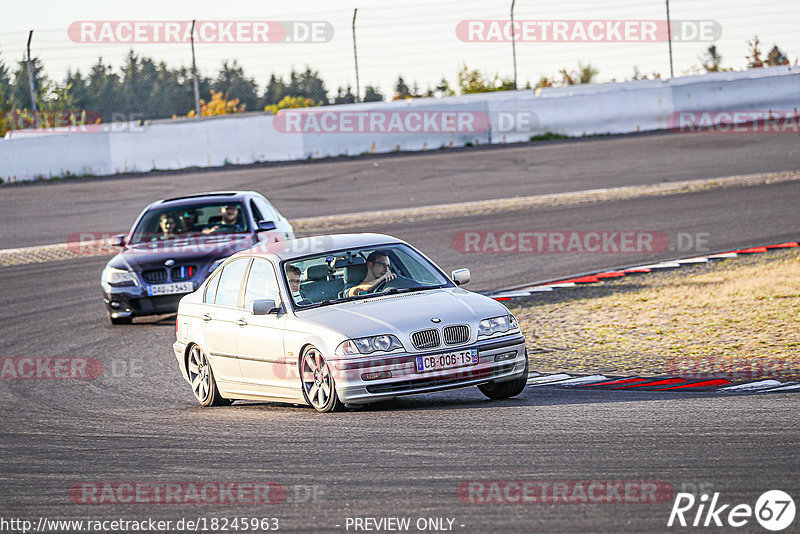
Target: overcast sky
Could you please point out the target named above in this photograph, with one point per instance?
(416, 39)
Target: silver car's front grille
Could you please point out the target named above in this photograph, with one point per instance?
(455, 335)
(425, 339)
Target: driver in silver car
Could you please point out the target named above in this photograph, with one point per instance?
(377, 273)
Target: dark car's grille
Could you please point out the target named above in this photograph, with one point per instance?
(183, 272)
(425, 339)
(455, 335)
(155, 276)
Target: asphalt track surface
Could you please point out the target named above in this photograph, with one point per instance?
(138, 422)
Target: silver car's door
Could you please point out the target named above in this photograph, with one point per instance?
(260, 337)
(220, 312)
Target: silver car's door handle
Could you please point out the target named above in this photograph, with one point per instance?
(241, 322)
(206, 317)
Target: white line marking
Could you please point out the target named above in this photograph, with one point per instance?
(752, 386)
(583, 380)
(693, 260)
(787, 387)
(517, 293)
(546, 379)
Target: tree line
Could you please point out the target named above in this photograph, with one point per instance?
(150, 90)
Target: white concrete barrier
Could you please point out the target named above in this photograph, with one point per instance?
(498, 117)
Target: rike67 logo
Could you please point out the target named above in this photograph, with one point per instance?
(774, 510)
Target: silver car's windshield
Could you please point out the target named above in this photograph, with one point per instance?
(360, 273)
(198, 219)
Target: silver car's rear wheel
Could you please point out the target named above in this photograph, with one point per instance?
(201, 378)
(319, 388)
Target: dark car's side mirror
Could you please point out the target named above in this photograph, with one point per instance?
(118, 240)
(265, 226)
(264, 307)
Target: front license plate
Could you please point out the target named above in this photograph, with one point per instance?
(170, 289)
(449, 360)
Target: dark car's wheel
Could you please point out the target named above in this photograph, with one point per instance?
(319, 388)
(119, 320)
(506, 390)
(201, 377)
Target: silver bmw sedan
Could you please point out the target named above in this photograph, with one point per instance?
(340, 320)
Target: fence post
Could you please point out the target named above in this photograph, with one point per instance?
(197, 109)
(31, 83)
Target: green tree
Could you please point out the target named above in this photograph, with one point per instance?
(308, 84)
(777, 57)
(5, 86)
(20, 88)
(231, 81)
(371, 94)
(275, 91)
(753, 58)
(474, 81)
(401, 89)
(344, 97)
(104, 90)
(712, 60)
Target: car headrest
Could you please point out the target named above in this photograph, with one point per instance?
(316, 272)
(354, 274)
(341, 263)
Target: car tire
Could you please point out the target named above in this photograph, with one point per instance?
(119, 320)
(316, 379)
(506, 390)
(201, 378)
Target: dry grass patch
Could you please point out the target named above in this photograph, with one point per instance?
(738, 317)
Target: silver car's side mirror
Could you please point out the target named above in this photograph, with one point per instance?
(118, 240)
(264, 307)
(460, 276)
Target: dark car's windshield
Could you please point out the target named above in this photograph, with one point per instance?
(197, 219)
(360, 273)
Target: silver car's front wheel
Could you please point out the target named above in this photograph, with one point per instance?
(319, 388)
(201, 378)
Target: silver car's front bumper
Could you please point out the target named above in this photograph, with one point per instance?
(499, 360)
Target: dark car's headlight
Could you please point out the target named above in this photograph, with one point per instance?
(118, 277)
(368, 345)
(493, 325)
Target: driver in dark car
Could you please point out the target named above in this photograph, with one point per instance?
(230, 218)
(377, 273)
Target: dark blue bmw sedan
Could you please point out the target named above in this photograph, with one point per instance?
(176, 243)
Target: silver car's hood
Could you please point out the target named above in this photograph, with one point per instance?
(404, 313)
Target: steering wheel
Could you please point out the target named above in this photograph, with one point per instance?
(400, 281)
(226, 229)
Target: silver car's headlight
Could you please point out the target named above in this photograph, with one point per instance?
(493, 325)
(118, 277)
(368, 345)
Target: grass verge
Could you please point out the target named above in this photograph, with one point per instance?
(735, 318)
